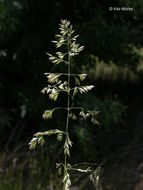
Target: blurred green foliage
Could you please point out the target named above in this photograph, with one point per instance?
(23, 171)
(93, 139)
(113, 58)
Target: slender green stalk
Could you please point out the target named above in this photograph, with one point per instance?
(68, 109)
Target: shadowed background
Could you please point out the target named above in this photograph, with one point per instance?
(113, 60)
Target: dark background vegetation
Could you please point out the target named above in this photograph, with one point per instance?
(113, 59)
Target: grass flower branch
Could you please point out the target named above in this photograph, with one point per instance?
(65, 39)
